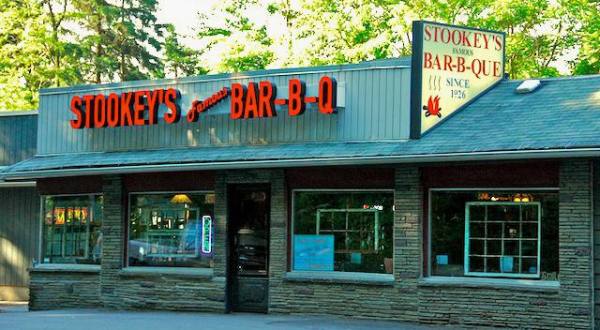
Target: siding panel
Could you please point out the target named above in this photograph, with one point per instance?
(19, 232)
(17, 138)
(373, 100)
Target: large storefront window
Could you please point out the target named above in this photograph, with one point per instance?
(494, 234)
(343, 231)
(71, 229)
(171, 229)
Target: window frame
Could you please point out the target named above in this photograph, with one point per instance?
(502, 274)
(341, 191)
(40, 254)
(127, 231)
(428, 262)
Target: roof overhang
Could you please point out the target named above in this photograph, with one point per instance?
(309, 162)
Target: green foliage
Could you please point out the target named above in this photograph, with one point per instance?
(29, 51)
(589, 54)
(48, 43)
(179, 59)
(121, 39)
(539, 32)
(243, 43)
(347, 31)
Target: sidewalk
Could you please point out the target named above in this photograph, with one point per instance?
(18, 318)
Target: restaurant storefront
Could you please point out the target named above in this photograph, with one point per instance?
(394, 189)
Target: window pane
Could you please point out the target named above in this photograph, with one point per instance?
(71, 229)
(503, 229)
(508, 218)
(343, 231)
(172, 230)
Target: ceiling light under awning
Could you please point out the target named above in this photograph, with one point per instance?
(181, 199)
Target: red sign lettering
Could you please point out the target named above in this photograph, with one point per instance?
(327, 95)
(463, 38)
(266, 99)
(172, 97)
(237, 100)
(296, 91)
(127, 109)
(256, 100)
(201, 106)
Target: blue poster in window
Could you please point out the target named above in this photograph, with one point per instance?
(441, 259)
(313, 252)
(506, 264)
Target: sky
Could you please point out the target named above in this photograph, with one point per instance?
(183, 14)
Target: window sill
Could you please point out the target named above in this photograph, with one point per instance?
(340, 277)
(159, 271)
(65, 268)
(494, 283)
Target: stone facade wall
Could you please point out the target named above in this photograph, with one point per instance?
(393, 301)
(61, 289)
(113, 231)
(147, 291)
(566, 307)
(596, 248)
(576, 243)
(407, 297)
(112, 287)
(174, 292)
(413, 299)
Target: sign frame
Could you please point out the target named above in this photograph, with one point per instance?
(416, 79)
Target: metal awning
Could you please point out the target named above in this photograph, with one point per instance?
(280, 156)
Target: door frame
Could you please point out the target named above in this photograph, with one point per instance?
(232, 190)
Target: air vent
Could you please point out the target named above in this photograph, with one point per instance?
(528, 86)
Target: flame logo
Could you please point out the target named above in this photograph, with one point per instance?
(433, 107)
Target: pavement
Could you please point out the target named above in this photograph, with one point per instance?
(17, 317)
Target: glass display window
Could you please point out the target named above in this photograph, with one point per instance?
(71, 229)
(502, 233)
(171, 229)
(344, 231)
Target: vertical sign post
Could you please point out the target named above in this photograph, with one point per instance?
(451, 66)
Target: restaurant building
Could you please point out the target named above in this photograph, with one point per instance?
(430, 190)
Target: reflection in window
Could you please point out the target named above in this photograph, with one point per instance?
(71, 230)
(343, 231)
(499, 234)
(174, 229)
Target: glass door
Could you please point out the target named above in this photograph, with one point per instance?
(248, 231)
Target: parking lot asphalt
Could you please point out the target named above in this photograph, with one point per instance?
(17, 317)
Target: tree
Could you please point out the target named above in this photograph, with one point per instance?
(136, 40)
(24, 64)
(179, 59)
(348, 31)
(538, 32)
(588, 60)
(243, 44)
(286, 44)
(63, 54)
(119, 39)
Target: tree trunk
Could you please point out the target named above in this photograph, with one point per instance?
(122, 68)
(99, 51)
